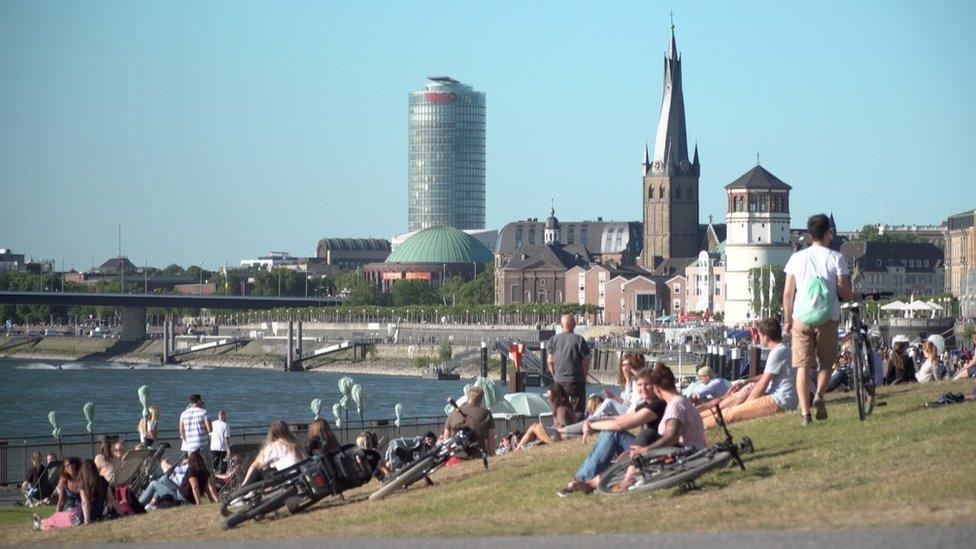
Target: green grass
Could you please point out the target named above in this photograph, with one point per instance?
(906, 465)
(20, 517)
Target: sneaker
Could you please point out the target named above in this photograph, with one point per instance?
(150, 507)
(36, 522)
(806, 421)
(821, 406)
(566, 492)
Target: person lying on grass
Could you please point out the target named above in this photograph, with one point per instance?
(615, 437)
(775, 390)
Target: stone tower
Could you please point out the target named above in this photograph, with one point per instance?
(671, 179)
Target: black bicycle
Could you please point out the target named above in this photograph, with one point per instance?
(862, 364)
(670, 466)
(301, 485)
(464, 440)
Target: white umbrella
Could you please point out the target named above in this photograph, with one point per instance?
(894, 306)
(934, 306)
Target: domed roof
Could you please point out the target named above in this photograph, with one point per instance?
(441, 245)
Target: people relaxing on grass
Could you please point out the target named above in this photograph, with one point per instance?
(562, 415)
(710, 387)
(321, 439)
(774, 391)
(967, 369)
(187, 482)
(33, 472)
(739, 391)
(83, 496)
(108, 457)
(281, 450)
(900, 367)
(929, 371)
(629, 397)
(615, 437)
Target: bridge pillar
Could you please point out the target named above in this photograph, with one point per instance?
(133, 323)
(291, 346)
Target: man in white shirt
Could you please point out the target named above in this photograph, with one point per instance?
(220, 442)
(815, 346)
(195, 427)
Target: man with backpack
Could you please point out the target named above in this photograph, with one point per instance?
(815, 278)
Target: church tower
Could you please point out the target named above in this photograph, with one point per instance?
(671, 179)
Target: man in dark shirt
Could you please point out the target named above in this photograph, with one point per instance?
(475, 416)
(569, 363)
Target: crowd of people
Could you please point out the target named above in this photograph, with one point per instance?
(649, 411)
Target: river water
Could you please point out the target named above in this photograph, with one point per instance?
(31, 388)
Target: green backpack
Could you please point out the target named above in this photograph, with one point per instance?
(814, 304)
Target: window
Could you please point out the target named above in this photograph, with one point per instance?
(878, 262)
(677, 288)
(718, 290)
(646, 302)
(514, 293)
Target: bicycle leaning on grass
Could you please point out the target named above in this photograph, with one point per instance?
(670, 466)
(862, 378)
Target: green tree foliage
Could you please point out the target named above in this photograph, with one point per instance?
(445, 351)
(413, 292)
(450, 290)
(481, 290)
(869, 233)
(760, 277)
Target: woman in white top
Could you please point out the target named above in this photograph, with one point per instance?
(148, 427)
(629, 397)
(930, 368)
(281, 450)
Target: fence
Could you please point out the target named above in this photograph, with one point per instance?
(15, 452)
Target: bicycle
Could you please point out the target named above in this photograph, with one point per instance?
(300, 486)
(464, 439)
(862, 364)
(669, 466)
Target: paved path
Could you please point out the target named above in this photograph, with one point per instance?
(880, 538)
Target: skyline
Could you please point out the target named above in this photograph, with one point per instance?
(238, 107)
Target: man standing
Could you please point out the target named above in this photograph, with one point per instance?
(473, 414)
(195, 427)
(220, 442)
(814, 279)
(569, 363)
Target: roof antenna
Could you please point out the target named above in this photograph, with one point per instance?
(757, 159)
(672, 20)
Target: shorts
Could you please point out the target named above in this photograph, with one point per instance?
(814, 345)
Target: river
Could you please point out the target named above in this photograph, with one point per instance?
(32, 388)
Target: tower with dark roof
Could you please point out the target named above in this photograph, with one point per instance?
(758, 235)
(670, 192)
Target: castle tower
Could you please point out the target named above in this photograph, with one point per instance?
(758, 224)
(670, 194)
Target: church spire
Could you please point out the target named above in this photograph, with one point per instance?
(647, 160)
(671, 140)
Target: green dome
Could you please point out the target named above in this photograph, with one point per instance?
(441, 245)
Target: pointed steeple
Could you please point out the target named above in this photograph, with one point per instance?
(695, 162)
(671, 140)
(647, 160)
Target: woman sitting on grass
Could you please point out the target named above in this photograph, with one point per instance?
(67, 512)
(615, 437)
(930, 368)
(900, 367)
(197, 481)
(562, 415)
(281, 450)
(321, 439)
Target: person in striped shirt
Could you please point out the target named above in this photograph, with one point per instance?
(195, 426)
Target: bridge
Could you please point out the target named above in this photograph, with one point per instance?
(133, 306)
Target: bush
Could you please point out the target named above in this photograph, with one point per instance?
(445, 352)
(420, 362)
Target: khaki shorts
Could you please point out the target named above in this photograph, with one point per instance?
(813, 345)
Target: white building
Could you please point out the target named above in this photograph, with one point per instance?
(758, 225)
(270, 261)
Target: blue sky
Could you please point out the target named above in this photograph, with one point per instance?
(221, 130)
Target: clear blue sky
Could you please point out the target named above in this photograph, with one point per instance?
(221, 130)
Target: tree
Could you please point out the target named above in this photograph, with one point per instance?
(481, 290)
(413, 292)
(869, 233)
(450, 290)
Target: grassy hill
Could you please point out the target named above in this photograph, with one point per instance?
(906, 465)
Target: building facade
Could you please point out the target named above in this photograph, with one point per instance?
(902, 268)
(670, 189)
(705, 282)
(625, 296)
(758, 235)
(960, 254)
(446, 182)
(352, 253)
(432, 255)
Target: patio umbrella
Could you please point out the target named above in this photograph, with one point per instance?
(894, 306)
(528, 404)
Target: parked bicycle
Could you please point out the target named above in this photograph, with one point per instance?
(464, 440)
(301, 485)
(670, 466)
(862, 378)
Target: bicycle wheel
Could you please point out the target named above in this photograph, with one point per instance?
(404, 479)
(273, 502)
(857, 376)
(669, 475)
(618, 470)
(867, 379)
(246, 497)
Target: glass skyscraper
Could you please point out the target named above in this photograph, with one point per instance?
(446, 184)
